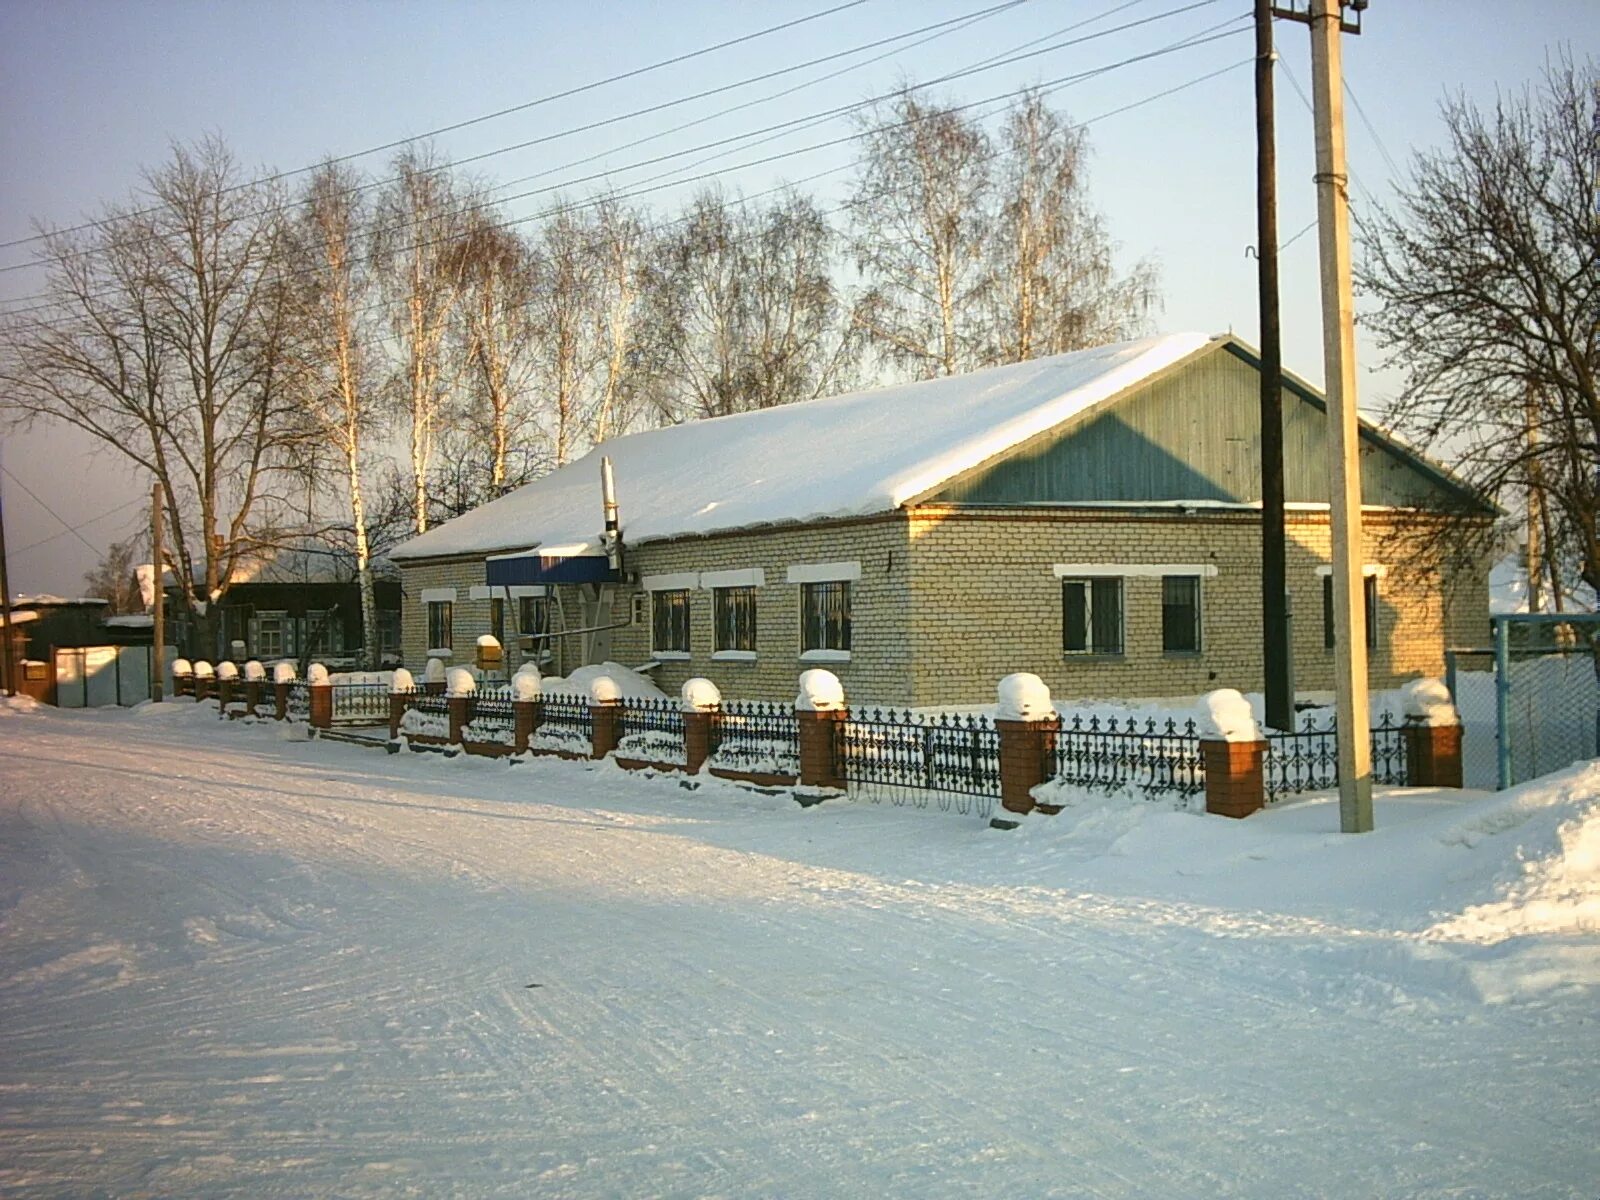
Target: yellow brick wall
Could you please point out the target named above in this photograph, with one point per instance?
(951, 599)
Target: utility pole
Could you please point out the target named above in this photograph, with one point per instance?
(1276, 657)
(8, 669)
(158, 598)
(1327, 21)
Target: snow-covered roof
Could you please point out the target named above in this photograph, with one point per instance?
(45, 600)
(852, 455)
(130, 621)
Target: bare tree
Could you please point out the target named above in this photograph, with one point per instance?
(331, 288)
(623, 246)
(567, 351)
(114, 578)
(1484, 275)
(744, 311)
(919, 217)
(1055, 286)
(501, 284)
(165, 339)
(417, 243)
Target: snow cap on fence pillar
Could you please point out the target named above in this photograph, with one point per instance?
(226, 670)
(699, 695)
(820, 691)
(460, 682)
(434, 671)
(402, 681)
(254, 671)
(1226, 716)
(182, 666)
(526, 684)
(317, 675)
(203, 670)
(604, 690)
(1023, 697)
(283, 672)
(1427, 702)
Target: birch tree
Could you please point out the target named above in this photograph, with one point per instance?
(331, 297)
(164, 337)
(420, 224)
(567, 353)
(1055, 286)
(918, 234)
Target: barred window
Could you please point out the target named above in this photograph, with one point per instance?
(734, 609)
(1180, 614)
(825, 615)
(1369, 594)
(1091, 615)
(669, 621)
(440, 625)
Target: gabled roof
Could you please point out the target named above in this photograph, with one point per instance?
(852, 455)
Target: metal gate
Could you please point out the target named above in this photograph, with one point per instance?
(102, 676)
(1529, 704)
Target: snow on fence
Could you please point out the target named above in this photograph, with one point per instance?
(756, 737)
(1155, 758)
(911, 758)
(651, 731)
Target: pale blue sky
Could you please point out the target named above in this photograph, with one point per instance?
(92, 91)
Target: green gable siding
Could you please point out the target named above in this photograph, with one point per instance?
(1192, 435)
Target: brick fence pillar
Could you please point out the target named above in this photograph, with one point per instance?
(280, 700)
(204, 686)
(460, 708)
(225, 686)
(526, 717)
(819, 747)
(1235, 778)
(252, 695)
(1433, 755)
(182, 684)
(697, 739)
(605, 719)
(398, 703)
(1027, 759)
(321, 716)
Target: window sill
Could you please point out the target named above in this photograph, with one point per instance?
(439, 652)
(833, 656)
(671, 655)
(1183, 654)
(734, 656)
(1091, 656)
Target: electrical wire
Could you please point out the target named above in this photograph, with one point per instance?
(66, 528)
(515, 108)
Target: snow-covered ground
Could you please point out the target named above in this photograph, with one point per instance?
(236, 963)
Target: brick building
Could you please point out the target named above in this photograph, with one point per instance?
(1093, 518)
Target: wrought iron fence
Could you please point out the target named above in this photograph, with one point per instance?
(952, 759)
(299, 701)
(360, 703)
(757, 736)
(1307, 759)
(567, 717)
(651, 729)
(1149, 756)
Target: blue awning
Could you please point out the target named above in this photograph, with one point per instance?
(548, 565)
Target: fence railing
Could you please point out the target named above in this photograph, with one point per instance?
(299, 701)
(1307, 759)
(756, 736)
(909, 758)
(1149, 756)
(360, 703)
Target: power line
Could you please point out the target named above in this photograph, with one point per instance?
(71, 529)
(67, 528)
(515, 108)
(779, 129)
(961, 21)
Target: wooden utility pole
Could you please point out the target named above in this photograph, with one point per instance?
(8, 669)
(158, 598)
(1276, 657)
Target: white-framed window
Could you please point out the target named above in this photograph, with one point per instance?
(733, 612)
(1091, 615)
(669, 621)
(269, 639)
(1180, 614)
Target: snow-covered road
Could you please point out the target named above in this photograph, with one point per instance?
(233, 964)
